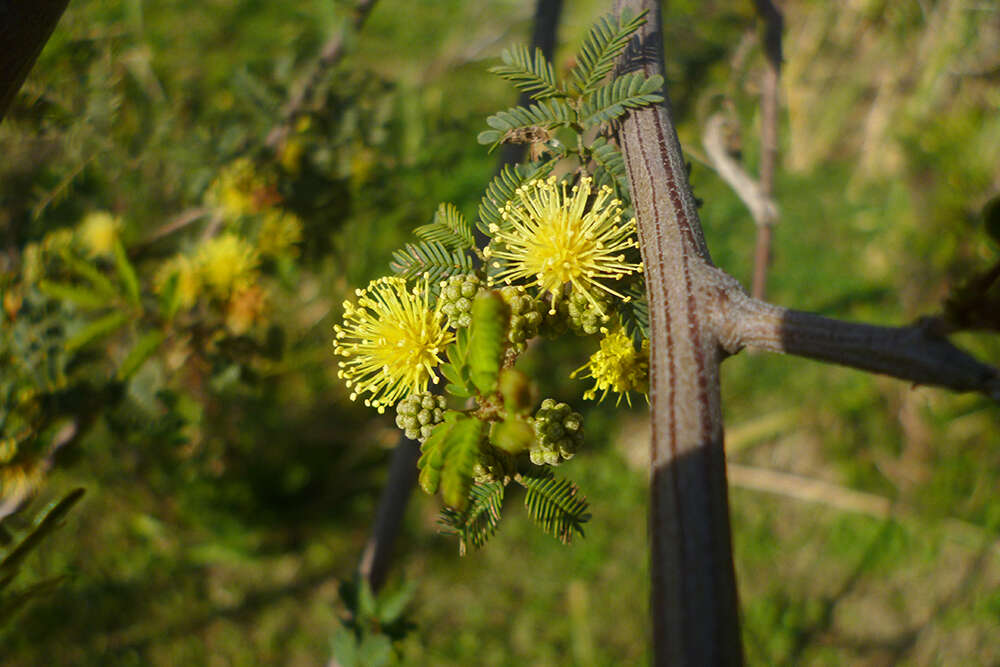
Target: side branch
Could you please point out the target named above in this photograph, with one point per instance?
(914, 353)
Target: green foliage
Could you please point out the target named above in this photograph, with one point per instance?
(611, 101)
(556, 505)
(13, 554)
(374, 622)
(431, 258)
(534, 75)
(461, 452)
(490, 316)
(591, 105)
(501, 190)
(605, 41)
(479, 521)
(449, 228)
(520, 124)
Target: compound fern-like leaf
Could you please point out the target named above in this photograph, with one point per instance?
(601, 48)
(449, 228)
(534, 75)
(479, 521)
(545, 115)
(432, 258)
(501, 190)
(625, 92)
(556, 505)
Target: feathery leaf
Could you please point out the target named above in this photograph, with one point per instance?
(449, 228)
(601, 48)
(479, 521)
(501, 190)
(532, 75)
(625, 92)
(430, 257)
(556, 505)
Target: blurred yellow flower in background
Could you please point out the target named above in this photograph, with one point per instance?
(227, 263)
(98, 233)
(280, 232)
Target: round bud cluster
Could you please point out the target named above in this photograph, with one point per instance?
(457, 294)
(587, 316)
(526, 314)
(418, 414)
(494, 465)
(558, 433)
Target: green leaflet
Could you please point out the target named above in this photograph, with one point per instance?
(96, 329)
(461, 452)
(625, 92)
(140, 352)
(432, 258)
(449, 228)
(432, 454)
(602, 46)
(486, 340)
(534, 76)
(449, 456)
(556, 505)
(479, 521)
(127, 273)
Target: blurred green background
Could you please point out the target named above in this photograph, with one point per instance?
(216, 527)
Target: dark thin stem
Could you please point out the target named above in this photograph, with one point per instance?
(25, 27)
(773, 23)
(914, 353)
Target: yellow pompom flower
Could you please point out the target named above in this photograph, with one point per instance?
(241, 190)
(227, 263)
(188, 279)
(280, 231)
(553, 238)
(390, 341)
(98, 233)
(617, 366)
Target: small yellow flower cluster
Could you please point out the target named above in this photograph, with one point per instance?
(227, 263)
(617, 366)
(280, 232)
(98, 233)
(240, 190)
(559, 239)
(391, 341)
(226, 268)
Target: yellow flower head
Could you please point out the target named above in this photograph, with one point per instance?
(391, 341)
(227, 263)
(98, 233)
(188, 279)
(552, 238)
(241, 190)
(279, 233)
(617, 367)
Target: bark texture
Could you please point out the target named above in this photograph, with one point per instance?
(694, 601)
